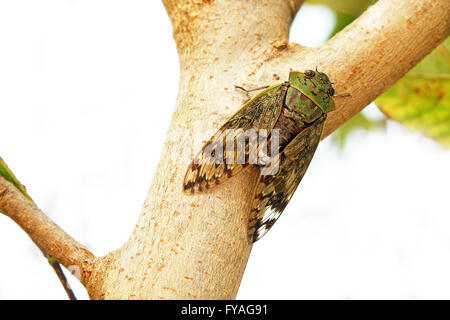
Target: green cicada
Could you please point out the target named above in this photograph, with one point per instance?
(291, 117)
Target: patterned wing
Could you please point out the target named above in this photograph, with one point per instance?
(214, 163)
(273, 192)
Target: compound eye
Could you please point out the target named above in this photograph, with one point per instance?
(309, 74)
(330, 91)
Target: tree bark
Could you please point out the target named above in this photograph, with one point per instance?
(196, 247)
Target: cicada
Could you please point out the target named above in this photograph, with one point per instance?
(290, 116)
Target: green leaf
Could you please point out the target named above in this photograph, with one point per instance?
(8, 175)
(345, 10)
(348, 7)
(342, 20)
(421, 99)
(357, 123)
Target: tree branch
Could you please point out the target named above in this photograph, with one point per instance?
(46, 234)
(372, 53)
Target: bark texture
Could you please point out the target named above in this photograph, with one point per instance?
(196, 247)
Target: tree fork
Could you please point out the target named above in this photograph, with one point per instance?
(196, 247)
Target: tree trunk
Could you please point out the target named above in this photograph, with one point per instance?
(196, 247)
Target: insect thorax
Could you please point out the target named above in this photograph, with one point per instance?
(299, 103)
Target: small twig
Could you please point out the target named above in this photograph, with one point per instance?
(62, 278)
(250, 90)
(342, 95)
(52, 240)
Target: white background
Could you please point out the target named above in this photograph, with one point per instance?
(87, 89)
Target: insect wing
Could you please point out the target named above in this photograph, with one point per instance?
(273, 192)
(215, 163)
